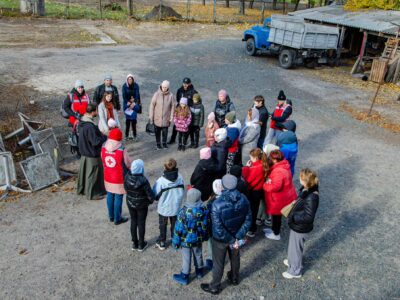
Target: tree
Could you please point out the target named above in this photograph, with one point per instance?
(242, 8)
(274, 4)
(226, 3)
(297, 5)
(382, 4)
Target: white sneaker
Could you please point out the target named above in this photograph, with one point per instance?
(286, 262)
(287, 275)
(272, 236)
(267, 230)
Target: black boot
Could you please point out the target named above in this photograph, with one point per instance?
(183, 147)
(179, 147)
(165, 145)
(196, 139)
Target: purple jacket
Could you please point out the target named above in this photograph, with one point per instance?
(181, 123)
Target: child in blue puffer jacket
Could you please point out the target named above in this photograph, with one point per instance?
(287, 142)
(191, 230)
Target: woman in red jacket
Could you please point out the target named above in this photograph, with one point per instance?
(254, 175)
(279, 191)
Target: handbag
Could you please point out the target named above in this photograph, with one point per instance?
(285, 211)
(150, 128)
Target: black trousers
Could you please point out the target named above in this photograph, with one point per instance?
(218, 255)
(182, 138)
(194, 132)
(255, 197)
(158, 132)
(174, 134)
(276, 223)
(129, 123)
(138, 224)
(163, 222)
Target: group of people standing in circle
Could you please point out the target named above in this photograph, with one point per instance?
(243, 180)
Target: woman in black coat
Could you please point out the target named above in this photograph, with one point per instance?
(204, 174)
(301, 222)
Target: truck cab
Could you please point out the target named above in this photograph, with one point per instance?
(256, 38)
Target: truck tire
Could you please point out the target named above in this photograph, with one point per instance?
(251, 47)
(287, 58)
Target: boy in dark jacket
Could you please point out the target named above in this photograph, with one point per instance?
(197, 110)
(139, 197)
(204, 174)
(301, 222)
(219, 150)
(191, 230)
(131, 104)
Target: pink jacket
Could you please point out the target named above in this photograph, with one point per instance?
(210, 134)
(181, 123)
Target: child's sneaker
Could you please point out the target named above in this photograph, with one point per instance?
(142, 247)
(251, 234)
(160, 245)
(181, 278)
(273, 236)
(268, 222)
(259, 222)
(199, 273)
(267, 230)
(286, 262)
(158, 147)
(134, 247)
(287, 275)
(209, 264)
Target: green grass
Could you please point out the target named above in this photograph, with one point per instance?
(59, 10)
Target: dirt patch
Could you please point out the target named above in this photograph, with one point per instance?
(162, 12)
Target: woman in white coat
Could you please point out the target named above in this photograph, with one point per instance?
(107, 111)
(249, 134)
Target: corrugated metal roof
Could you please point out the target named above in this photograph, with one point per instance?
(371, 20)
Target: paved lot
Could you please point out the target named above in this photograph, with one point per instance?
(74, 252)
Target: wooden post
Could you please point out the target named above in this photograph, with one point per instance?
(340, 45)
(215, 12)
(130, 7)
(360, 57)
(204, 2)
(374, 98)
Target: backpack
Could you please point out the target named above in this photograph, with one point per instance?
(63, 113)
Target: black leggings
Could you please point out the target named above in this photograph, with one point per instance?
(276, 224)
(158, 131)
(255, 197)
(194, 132)
(182, 138)
(128, 123)
(138, 225)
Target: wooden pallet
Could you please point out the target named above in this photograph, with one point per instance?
(378, 70)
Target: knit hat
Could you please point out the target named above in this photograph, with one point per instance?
(112, 123)
(222, 93)
(236, 171)
(193, 195)
(129, 75)
(217, 187)
(196, 98)
(231, 117)
(187, 80)
(165, 84)
(281, 96)
(205, 153)
(108, 77)
(220, 134)
(137, 166)
(183, 101)
(115, 134)
(78, 83)
(269, 148)
(289, 125)
(211, 116)
(229, 182)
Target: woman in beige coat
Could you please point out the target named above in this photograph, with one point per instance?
(161, 113)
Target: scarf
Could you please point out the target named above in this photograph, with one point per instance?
(110, 110)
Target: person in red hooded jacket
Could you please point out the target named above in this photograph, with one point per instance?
(254, 175)
(115, 159)
(279, 191)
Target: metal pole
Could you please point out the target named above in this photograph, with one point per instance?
(215, 12)
(373, 99)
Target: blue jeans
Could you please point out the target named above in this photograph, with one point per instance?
(114, 205)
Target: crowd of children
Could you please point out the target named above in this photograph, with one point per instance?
(244, 178)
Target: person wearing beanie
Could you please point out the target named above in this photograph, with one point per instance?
(161, 113)
(287, 142)
(281, 113)
(219, 151)
(107, 111)
(233, 130)
(223, 105)
(231, 219)
(210, 129)
(115, 160)
(139, 197)
(204, 173)
(169, 190)
(131, 104)
(90, 177)
(182, 120)
(187, 91)
(197, 110)
(107, 86)
(259, 104)
(249, 134)
(73, 108)
(191, 230)
(112, 124)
